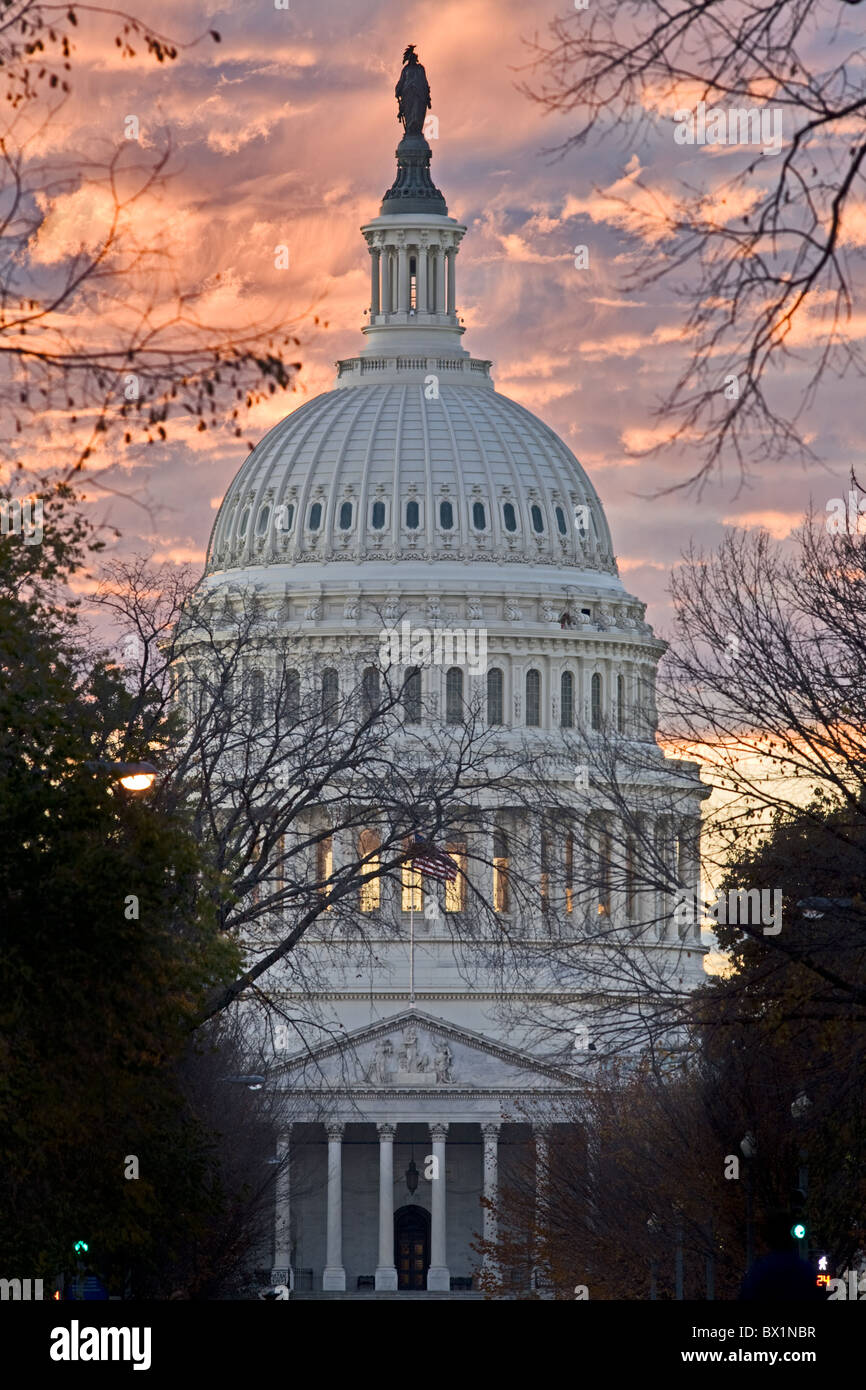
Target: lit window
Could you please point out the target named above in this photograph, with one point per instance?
(377, 519)
(566, 700)
(479, 516)
(533, 699)
(345, 516)
(500, 872)
(509, 517)
(494, 696)
(454, 695)
(315, 516)
(325, 866)
(569, 872)
(544, 882)
(446, 516)
(413, 516)
(455, 891)
(537, 518)
(369, 844)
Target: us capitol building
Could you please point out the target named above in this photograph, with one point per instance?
(415, 490)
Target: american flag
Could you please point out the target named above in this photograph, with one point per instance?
(432, 862)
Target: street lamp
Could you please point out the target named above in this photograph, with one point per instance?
(254, 1080)
(134, 777)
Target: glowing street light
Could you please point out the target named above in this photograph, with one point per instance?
(134, 777)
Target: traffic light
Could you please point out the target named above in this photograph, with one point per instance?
(798, 1224)
(81, 1247)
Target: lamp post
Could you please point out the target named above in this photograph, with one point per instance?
(749, 1149)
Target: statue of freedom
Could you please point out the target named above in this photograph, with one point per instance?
(412, 93)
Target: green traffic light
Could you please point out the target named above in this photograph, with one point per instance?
(81, 1246)
(798, 1231)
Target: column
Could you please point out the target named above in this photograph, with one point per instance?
(282, 1270)
(542, 1199)
(440, 280)
(334, 1276)
(385, 258)
(403, 279)
(374, 281)
(490, 1139)
(438, 1276)
(386, 1270)
(450, 256)
(421, 282)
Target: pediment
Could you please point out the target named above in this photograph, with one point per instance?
(413, 1051)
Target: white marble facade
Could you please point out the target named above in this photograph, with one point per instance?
(416, 490)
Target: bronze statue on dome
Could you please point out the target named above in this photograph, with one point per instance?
(412, 93)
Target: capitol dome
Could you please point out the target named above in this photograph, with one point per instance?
(389, 470)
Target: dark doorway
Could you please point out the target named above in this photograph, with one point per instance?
(412, 1247)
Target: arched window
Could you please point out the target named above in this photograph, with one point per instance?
(245, 521)
(345, 516)
(494, 695)
(254, 695)
(413, 516)
(454, 695)
(370, 695)
(412, 695)
(569, 872)
(377, 517)
(479, 516)
(566, 700)
(595, 702)
(509, 516)
(500, 871)
(413, 283)
(537, 518)
(561, 522)
(315, 520)
(330, 694)
(293, 694)
(446, 516)
(262, 521)
(284, 517)
(533, 698)
(620, 704)
(369, 844)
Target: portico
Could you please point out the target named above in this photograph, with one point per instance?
(385, 1195)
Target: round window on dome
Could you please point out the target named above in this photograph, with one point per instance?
(345, 516)
(377, 516)
(446, 516)
(262, 521)
(509, 516)
(413, 516)
(537, 518)
(479, 516)
(315, 520)
(561, 522)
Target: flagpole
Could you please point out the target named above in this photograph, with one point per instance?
(412, 949)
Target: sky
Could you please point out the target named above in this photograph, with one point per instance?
(284, 134)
